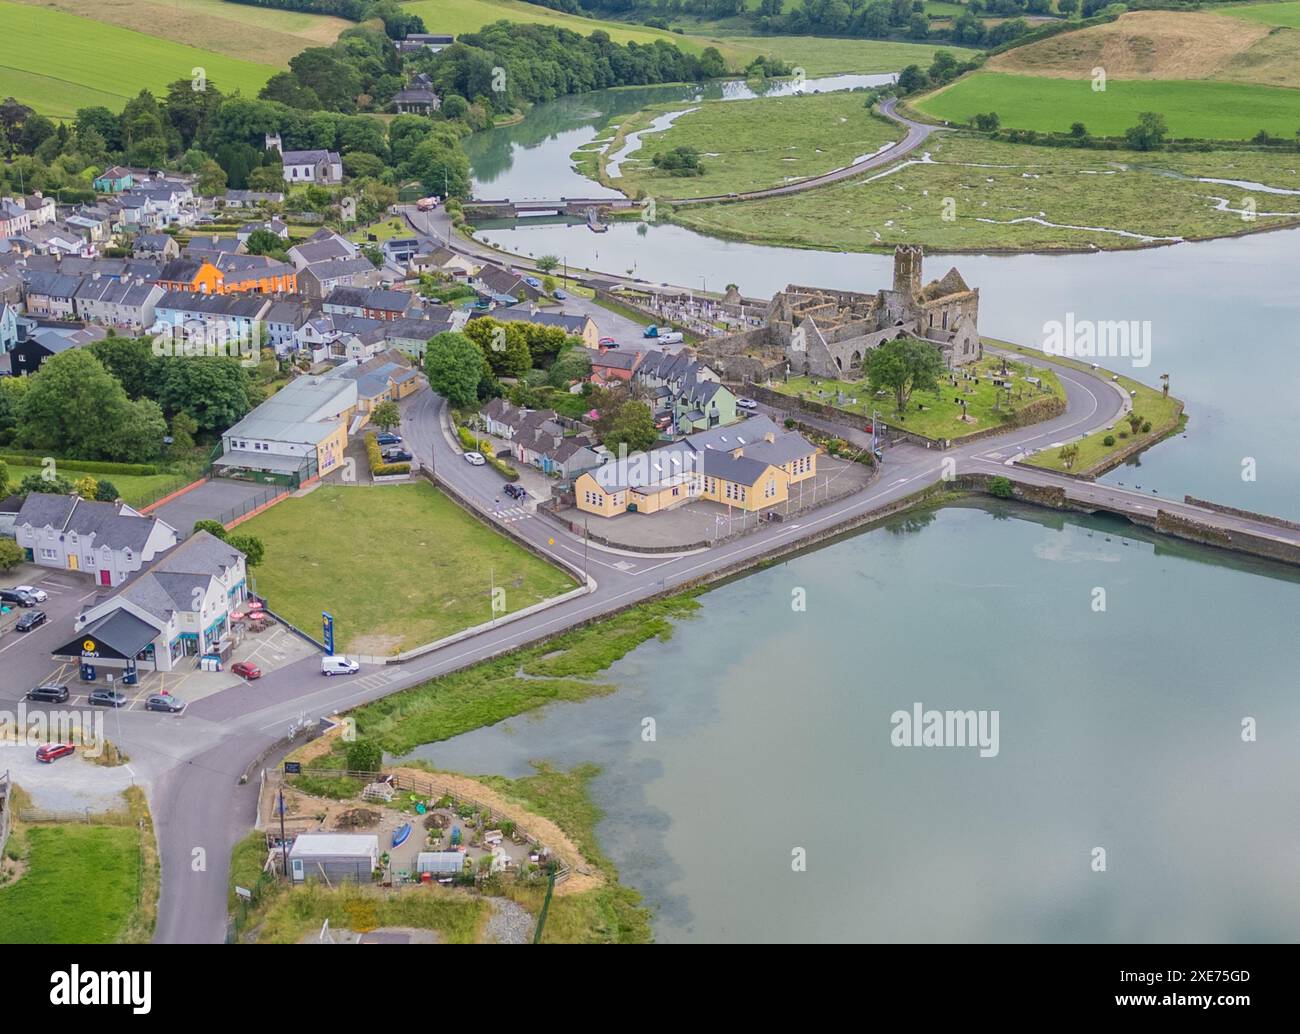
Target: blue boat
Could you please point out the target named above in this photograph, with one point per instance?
(400, 834)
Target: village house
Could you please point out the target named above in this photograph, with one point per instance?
(233, 323)
(386, 377)
(113, 180)
(445, 261)
(51, 294)
(125, 305)
(182, 605)
(283, 320)
(40, 338)
(251, 198)
(322, 246)
(373, 302)
(155, 246)
(319, 279)
(418, 98)
(614, 364)
(502, 286)
(747, 467)
(109, 541)
(684, 392)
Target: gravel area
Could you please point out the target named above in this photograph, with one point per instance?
(510, 923)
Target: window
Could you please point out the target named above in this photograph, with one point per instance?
(49, 554)
(770, 491)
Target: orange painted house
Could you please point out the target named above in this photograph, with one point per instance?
(202, 277)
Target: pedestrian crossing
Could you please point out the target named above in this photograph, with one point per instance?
(378, 679)
(514, 513)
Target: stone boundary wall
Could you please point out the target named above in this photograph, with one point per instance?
(1250, 515)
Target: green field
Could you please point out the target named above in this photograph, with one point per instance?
(263, 35)
(1201, 109)
(748, 145)
(397, 565)
(81, 886)
(820, 55)
(136, 489)
(993, 184)
(1287, 15)
(65, 62)
(934, 414)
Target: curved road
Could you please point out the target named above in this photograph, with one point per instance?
(917, 134)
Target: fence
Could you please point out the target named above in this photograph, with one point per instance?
(5, 787)
(429, 787)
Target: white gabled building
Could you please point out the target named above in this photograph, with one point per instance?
(108, 541)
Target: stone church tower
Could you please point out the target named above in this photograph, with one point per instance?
(907, 270)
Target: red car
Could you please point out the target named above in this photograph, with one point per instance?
(53, 751)
(246, 670)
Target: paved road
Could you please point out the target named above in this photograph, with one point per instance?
(917, 134)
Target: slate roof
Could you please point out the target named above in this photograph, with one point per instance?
(111, 524)
(370, 298)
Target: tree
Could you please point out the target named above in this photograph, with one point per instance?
(73, 407)
(1067, 455)
(386, 415)
(4, 479)
(547, 263)
(504, 344)
(11, 554)
(56, 485)
(106, 491)
(86, 487)
(1078, 130)
(455, 366)
(251, 546)
(211, 527)
(1149, 133)
(911, 79)
(903, 366)
(987, 123)
(440, 165)
(131, 361)
(1134, 419)
(211, 389)
(184, 428)
(633, 426)
(264, 242)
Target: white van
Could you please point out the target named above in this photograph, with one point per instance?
(338, 666)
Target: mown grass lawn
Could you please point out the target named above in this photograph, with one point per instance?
(748, 145)
(1287, 15)
(1192, 108)
(396, 565)
(135, 489)
(941, 415)
(81, 886)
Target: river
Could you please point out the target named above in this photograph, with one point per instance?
(1119, 730)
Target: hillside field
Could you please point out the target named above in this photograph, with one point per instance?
(1287, 14)
(258, 34)
(1192, 108)
(58, 62)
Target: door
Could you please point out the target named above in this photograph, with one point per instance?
(105, 578)
(72, 561)
(296, 865)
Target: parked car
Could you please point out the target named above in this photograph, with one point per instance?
(388, 438)
(30, 620)
(246, 670)
(338, 666)
(396, 456)
(532, 281)
(516, 491)
(39, 595)
(164, 702)
(746, 404)
(107, 698)
(475, 459)
(559, 295)
(607, 342)
(53, 751)
(50, 692)
(16, 598)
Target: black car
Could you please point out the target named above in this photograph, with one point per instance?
(13, 596)
(49, 693)
(30, 620)
(396, 456)
(516, 491)
(168, 704)
(107, 698)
